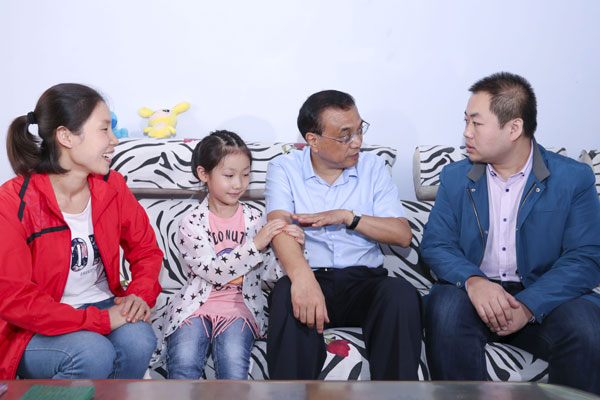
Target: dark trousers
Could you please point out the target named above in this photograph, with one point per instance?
(568, 338)
(387, 309)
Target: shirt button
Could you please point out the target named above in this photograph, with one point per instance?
(538, 190)
(503, 274)
(458, 284)
(504, 249)
(507, 190)
(504, 219)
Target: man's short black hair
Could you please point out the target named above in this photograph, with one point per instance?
(511, 97)
(309, 117)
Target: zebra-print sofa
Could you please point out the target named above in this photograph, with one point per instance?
(158, 172)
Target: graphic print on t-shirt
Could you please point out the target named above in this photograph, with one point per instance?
(229, 236)
(87, 281)
(97, 258)
(80, 252)
(223, 252)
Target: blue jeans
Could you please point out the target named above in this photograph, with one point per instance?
(188, 346)
(122, 354)
(568, 338)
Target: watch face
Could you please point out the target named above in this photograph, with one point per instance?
(356, 213)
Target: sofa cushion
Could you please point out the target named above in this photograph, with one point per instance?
(406, 262)
(503, 362)
(164, 215)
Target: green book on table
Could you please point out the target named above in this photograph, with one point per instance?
(37, 392)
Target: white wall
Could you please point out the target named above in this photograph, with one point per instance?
(248, 66)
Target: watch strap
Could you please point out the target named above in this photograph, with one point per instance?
(354, 222)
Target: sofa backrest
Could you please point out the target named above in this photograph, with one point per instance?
(164, 165)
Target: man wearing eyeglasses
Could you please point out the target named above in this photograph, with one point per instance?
(347, 204)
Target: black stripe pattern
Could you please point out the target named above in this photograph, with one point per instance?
(36, 235)
(22, 197)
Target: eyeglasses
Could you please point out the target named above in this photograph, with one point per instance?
(364, 127)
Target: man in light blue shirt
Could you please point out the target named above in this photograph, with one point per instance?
(347, 204)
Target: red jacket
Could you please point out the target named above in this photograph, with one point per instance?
(35, 257)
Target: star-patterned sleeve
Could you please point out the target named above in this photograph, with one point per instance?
(198, 253)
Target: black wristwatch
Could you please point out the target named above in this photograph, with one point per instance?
(355, 221)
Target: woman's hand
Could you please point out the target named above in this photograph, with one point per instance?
(133, 308)
(117, 320)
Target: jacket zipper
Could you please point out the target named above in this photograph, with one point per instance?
(519, 212)
(525, 198)
(479, 225)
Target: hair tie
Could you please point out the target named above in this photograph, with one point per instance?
(31, 119)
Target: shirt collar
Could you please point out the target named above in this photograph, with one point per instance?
(523, 172)
(309, 172)
(307, 168)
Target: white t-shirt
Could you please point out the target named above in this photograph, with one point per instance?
(87, 278)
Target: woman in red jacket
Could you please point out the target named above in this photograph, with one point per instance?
(63, 312)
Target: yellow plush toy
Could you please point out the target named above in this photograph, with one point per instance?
(161, 123)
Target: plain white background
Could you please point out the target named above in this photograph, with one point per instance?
(248, 66)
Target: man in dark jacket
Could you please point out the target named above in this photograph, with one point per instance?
(514, 240)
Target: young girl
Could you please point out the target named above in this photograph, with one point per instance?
(63, 313)
(224, 244)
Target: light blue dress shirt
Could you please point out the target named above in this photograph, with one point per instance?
(293, 186)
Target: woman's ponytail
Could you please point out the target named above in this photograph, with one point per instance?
(22, 146)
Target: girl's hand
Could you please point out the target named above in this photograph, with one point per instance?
(296, 232)
(267, 232)
(133, 308)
